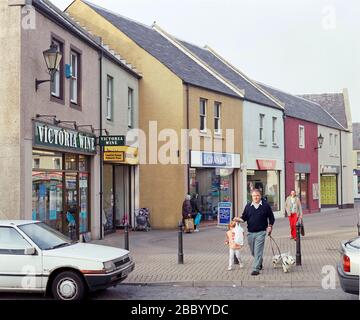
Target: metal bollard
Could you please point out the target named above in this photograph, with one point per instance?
(126, 234)
(180, 244)
(358, 226)
(298, 246)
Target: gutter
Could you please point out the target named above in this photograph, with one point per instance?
(101, 148)
(341, 173)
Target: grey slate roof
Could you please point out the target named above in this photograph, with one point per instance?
(301, 108)
(332, 103)
(356, 135)
(251, 93)
(164, 51)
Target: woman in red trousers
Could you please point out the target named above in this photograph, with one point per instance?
(294, 211)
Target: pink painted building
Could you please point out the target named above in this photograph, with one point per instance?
(301, 139)
(301, 162)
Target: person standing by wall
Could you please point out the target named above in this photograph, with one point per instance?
(195, 210)
(186, 209)
(260, 219)
(293, 210)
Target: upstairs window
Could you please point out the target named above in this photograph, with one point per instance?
(109, 98)
(56, 86)
(301, 137)
(273, 136)
(130, 108)
(75, 87)
(217, 117)
(262, 128)
(203, 105)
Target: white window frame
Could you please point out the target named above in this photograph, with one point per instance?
(301, 137)
(74, 77)
(130, 107)
(57, 78)
(273, 136)
(335, 144)
(203, 115)
(331, 143)
(109, 97)
(262, 128)
(217, 118)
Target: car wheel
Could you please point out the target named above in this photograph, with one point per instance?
(69, 286)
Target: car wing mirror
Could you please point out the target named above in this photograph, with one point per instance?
(29, 251)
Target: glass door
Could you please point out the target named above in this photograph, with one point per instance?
(71, 204)
(301, 188)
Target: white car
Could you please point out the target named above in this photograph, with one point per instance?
(36, 258)
(349, 268)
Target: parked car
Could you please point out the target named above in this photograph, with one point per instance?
(36, 258)
(349, 267)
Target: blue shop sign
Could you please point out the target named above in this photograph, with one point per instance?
(210, 159)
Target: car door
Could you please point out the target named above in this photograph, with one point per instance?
(18, 270)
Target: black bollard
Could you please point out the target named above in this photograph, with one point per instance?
(126, 234)
(180, 244)
(358, 226)
(298, 246)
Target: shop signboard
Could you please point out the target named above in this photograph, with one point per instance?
(114, 156)
(224, 213)
(203, 159)
(121, 154)
(111, 141)
(266, 164)
(63, 139)
(330, 169)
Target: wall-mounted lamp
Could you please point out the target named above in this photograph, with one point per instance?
(320, 140)
(52, 58)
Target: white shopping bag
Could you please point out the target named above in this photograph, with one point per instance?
(239, 235)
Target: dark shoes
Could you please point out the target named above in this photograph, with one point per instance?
(261, 267)
(255, 273)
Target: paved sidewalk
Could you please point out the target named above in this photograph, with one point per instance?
(206, 256)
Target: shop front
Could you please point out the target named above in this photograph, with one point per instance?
(266, 178)
(329, 186)
(120, 172)
(213, 177)
(61, 176)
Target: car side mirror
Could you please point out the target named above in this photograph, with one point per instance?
(29, 251)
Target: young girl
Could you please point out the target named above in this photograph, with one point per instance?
(234, 248)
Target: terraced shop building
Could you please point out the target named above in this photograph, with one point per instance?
(177, 93)
(49, 160)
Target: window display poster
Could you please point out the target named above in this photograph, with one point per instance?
(224, 213)
(52, 202)
(42, 202)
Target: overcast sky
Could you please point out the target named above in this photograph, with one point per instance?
(299, 46)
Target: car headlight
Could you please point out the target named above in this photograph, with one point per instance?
(109, 266)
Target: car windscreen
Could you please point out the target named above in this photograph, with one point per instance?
(45, 237)
(355, 243)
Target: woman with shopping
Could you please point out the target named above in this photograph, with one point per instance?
(294, 212)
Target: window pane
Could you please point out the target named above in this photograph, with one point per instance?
(47, 198)
(83, 187)
(70, 162)
(47, 160)
(83, 163)
(10, 239)
(130, 107)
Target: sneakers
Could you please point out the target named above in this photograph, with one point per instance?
(261, 267)
(196, 230)
(255, 273)
(229, 268)
(241, 265)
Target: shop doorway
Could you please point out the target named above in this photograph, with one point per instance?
(302, 188)
(328, 184)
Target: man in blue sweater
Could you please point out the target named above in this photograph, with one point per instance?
(260, 219)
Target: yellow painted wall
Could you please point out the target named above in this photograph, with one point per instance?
(162, 98)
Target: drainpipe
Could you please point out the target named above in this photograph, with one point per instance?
(285, 159)
(341, 173)
(101, 148)
(188, 128)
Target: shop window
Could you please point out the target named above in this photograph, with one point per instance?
(47, 198)
(83, 163)
(203, 104)
(70, 162)
(47, 160)
(212, 186)
(261, 128)
(301, 137)
(84, 202)
(217, 118)
(109, 98)
(268, 183)
(130, 108)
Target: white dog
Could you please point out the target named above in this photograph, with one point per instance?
(285, 260)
